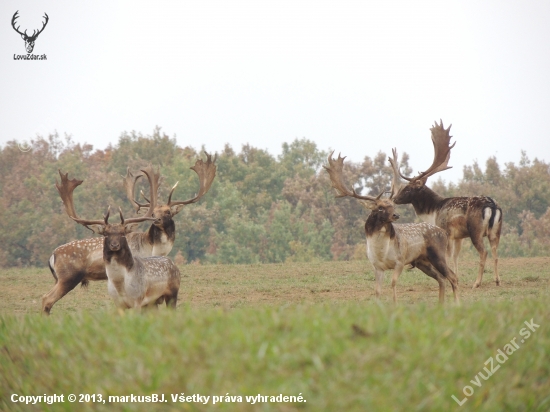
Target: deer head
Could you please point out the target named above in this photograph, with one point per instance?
(384, 208)
(206, 172)
(114, 234)
(29, 40)
(403, 192)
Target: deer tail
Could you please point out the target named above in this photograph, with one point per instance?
(51, 262)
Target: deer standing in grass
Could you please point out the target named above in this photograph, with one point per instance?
(393, 246)
(81, 260)
(134, 282)
(461, 217)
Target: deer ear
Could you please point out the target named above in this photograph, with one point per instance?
(97, 229)
(130, 228)
(420, 182)
(176, 209)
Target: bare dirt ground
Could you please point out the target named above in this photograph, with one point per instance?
(230, 286)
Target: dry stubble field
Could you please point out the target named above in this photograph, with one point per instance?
(230, 286)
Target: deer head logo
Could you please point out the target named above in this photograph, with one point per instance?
(29, 40)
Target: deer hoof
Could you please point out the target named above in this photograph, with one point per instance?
(498, 282)
(476, 285)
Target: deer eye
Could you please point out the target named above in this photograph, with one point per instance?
(380, 209)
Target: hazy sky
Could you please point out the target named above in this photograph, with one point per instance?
(354, 76)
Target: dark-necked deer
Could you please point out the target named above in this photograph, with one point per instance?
(134, 282)
(81, 260)
(393, 246)
(461, 217)
(160, 237)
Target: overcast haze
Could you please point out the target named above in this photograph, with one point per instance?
(355, 76)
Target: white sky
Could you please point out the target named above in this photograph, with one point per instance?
(355, 76)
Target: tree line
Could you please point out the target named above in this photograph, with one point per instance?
(260, 209)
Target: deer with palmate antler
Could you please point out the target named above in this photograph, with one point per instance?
(134, 282)
(461, 217)
(81, 260)
(393, 246)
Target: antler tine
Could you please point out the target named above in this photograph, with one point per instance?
(396, 180)
(15, 17)
(395, 166)
(442, 151)
(139, 219)
(153, 178)
(43, 24)
(145, 197)
(130, 181)
(172, 191)
(86, 222)
(65, 190)
(334, 170)
(206, 172)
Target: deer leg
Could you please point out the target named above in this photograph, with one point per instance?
(432, 272)
(60, 289)
(171, 300)
(493, 241)
(457, 245)
(379, 276)
(446, 272)
(478, 244)
(396, 272)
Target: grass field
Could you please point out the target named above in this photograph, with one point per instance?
(314, 330)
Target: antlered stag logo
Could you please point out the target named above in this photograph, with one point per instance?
(29, 40)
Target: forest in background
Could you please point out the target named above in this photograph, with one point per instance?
(260, 209)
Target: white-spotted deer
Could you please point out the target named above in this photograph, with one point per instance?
(134, 282)
(461, 217)
(82, 260)
(393, 246)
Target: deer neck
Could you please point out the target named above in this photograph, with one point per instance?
(426, 204)
(161, 238)
(374, 227)
(381, 240)
(119, 262)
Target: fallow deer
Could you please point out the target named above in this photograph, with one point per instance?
(393, 246)
(81, 260)
(461, 217)
(134, 282)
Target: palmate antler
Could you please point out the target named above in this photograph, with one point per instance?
(396, 181)
(130, 181)
(67, 187)
(206, 172)
(335, 169)
(65, 190)
(103, 223)
(441, 139)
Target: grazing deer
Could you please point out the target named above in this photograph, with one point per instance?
(134, 282)
(81, 260)
(461, 217)
(393, 246)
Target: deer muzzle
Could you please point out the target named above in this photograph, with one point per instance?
(114, 246)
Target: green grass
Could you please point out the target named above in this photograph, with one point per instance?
(342, 351)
